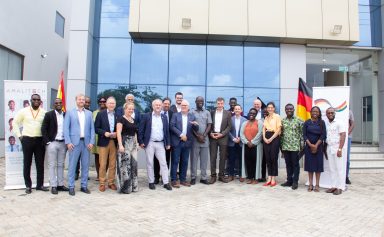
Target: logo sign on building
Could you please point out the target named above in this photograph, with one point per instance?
(338, 98)
(17, 95)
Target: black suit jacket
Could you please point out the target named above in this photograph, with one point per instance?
(170, 113)
(145, 129)
(102, 126)
(49, 126)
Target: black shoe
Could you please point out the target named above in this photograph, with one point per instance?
(204, 181)
(157, 181)
(72, 191)
(62, 188)
(193, 181)
(42, 188)
(167, 187)
(286, 184)
(347, 181)
(262, 180)
(54, 190)
(28, 190)
(152, 186)
(295, 186)
(77, 177)
(85, 190)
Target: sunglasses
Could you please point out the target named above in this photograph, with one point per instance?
(36, 99)
(102, 101)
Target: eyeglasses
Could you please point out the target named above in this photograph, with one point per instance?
(58, 103)
(102, 101)
(36, 99)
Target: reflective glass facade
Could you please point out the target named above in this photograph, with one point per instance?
(370, 23)
(156, 69)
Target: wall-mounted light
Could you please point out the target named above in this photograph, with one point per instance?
(186, 23)
(336, 29)
(44, 55)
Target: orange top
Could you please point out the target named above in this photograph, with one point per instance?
(272, 122)
(250, 130)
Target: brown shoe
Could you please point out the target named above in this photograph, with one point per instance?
(231, 178)
(212, 180)
(186, 184)
(337, 192)
(242, 179)
(175, 184)
(255, 182)
(223, 179)
(102, 188)
(112, 187)
(331, 190)
(249, 181)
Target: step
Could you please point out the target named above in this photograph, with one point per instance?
(367, 164)
(367, 155)
(365, 149)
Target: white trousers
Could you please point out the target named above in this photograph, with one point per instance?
(156, 148)
(337, 168)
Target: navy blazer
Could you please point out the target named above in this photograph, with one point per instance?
(145, 129)
(176, 128)
(102, 126)
(120, 112)
(232, 133)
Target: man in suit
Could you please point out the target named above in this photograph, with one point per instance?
(168, 113)
(181, 126)
(234, 143)
(221, 125)
(177, 106)
(31, 119)
(130, 98)
(154, 138)
(105, 126)
(52, 130)
(79, 134)
(12, 147)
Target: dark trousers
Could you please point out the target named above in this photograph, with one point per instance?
(156, 165)
(263, 166)
(213, 146)
(234, 160)
(293, 166)
(33, 146)
(180, 155)
(272, 154)
(250, 161)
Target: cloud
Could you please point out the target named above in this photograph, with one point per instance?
(221, 80)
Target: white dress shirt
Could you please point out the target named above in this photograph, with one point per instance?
(157, 133)
(184, 123)
(237, 125)
(218, 120)
(60, 124)
(334, 129)
(81, 114)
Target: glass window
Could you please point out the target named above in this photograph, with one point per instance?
(261, 65)
(149, 63)
(114, 18)
(370, 23)
(144, 94)
(187, 64)
(11, 65)
(59, 24)
(266, 95)
(225, 65)
(226, 93)
(114, 60)
(189, 93)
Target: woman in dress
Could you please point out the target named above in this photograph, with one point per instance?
(250, 133)
(127, 155)
(271, 138)
(314, 133)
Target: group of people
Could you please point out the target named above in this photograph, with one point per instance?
(175, 137)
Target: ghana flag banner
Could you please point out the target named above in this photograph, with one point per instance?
(304, 101)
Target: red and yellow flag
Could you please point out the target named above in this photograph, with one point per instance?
(60, 90)
(304, 101)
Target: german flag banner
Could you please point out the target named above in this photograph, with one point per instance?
(304, 101)
(60, 91)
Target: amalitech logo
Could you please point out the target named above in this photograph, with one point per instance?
(339, 108)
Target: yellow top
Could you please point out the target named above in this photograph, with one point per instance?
(31, 121)
(272, 122)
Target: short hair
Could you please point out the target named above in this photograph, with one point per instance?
(98, 101)
(271, 103)
(239, 106)
(111, 98)
(185, 101)
(79, 95)
(178, 93)
(129, 95)
(35, 94)
(220, 99)
(125, 106)
(232, 98)
(330, 108)
(11, 137)
(87, 97)
(11, 101)
(289, 104)
(156, 100)
(167, 98)
(11, 119)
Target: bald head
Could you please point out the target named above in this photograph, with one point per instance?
(257, 104)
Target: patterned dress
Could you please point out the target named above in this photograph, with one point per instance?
(127, 180)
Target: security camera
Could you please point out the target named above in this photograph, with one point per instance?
(44, 55)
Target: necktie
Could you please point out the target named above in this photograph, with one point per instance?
(11, 148)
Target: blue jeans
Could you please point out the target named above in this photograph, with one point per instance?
(234, 157)
(349, 155)
(180, 152)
